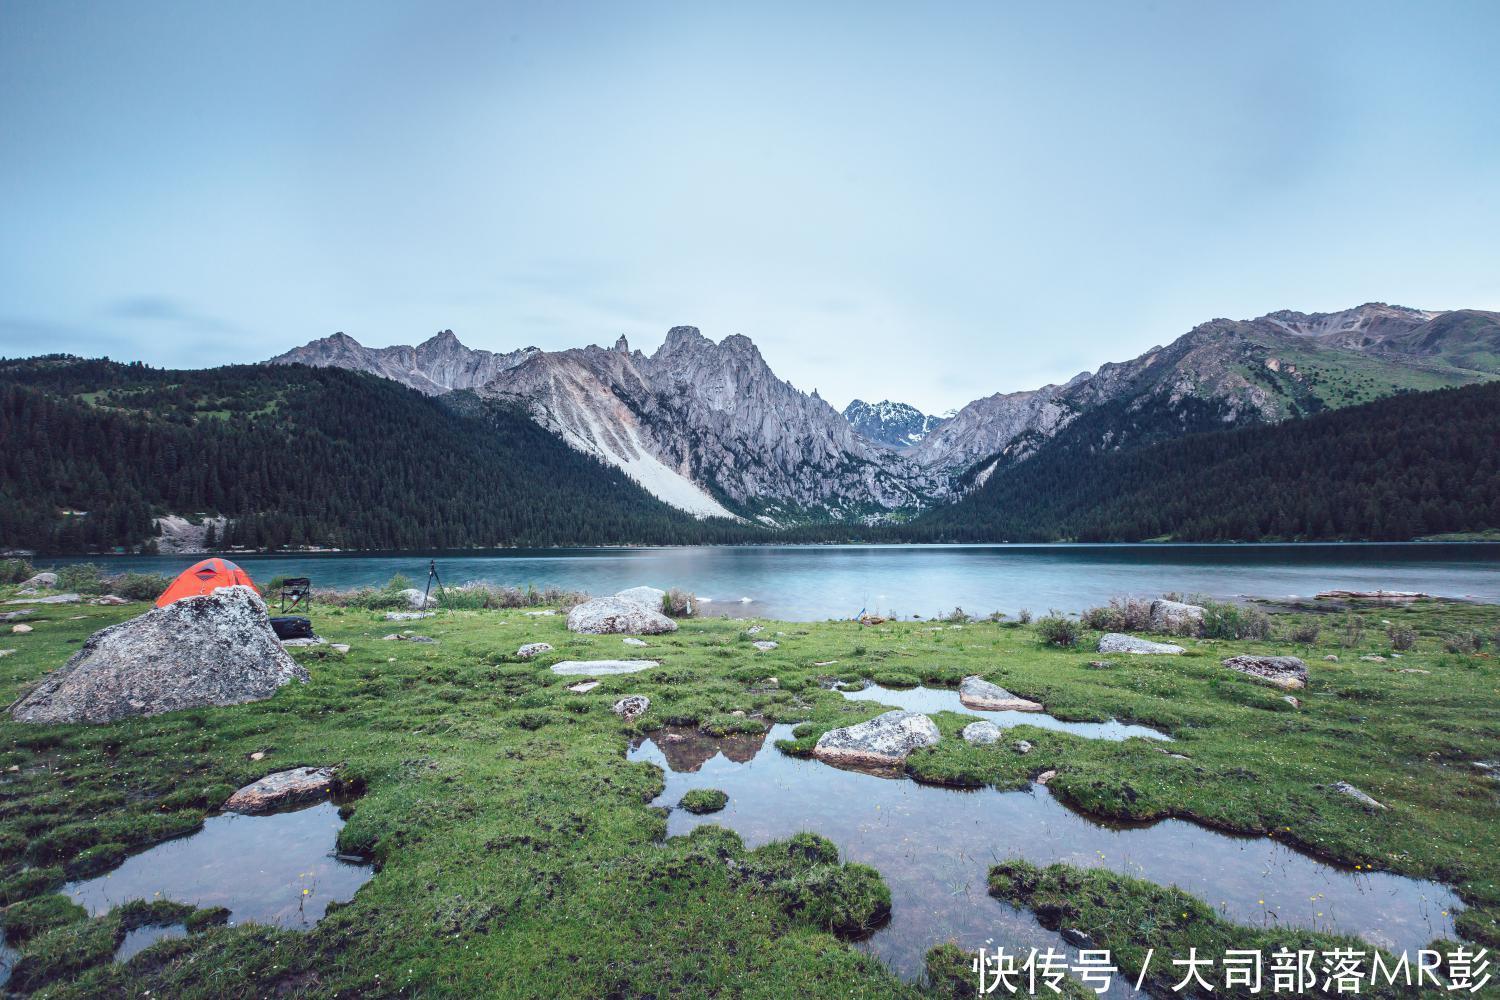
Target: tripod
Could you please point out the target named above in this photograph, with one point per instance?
(432, 574)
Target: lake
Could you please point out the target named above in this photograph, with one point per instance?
(816, 582)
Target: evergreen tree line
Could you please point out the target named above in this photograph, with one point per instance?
(299, 456)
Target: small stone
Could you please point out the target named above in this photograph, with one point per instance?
(981, 733)
(632, 706)
(1332, 658)
(1344, 788)
(1413, 670)
(583, 687)
(755, 630)
(1372, 659)
(771, 682)
(339, 647)
(633, 641)
(1021, 746)
(1045, 777)
(1100, 664)
(6, 652)
(21, 629)
(390, 638)
(258, 755)
(109, 600)
(531, 649)
(1291, 701)
(419, 638)
(764, 645)
(406, 616)
(282, 788)
(738, 713)
(541, 614)
(1118, 642)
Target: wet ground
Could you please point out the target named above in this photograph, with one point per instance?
(934, 846)
(929, 700)
(138, 940)
(278, 869)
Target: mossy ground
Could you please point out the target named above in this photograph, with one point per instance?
(519, 856)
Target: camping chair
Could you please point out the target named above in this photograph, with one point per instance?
(299, 589)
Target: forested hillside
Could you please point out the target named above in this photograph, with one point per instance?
(1398, 468)
(91, 450)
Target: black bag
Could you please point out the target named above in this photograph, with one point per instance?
(292, 627)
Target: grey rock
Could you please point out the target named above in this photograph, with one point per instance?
(583, 687)
(755, 630)
(1118, 642)
(437, 365)
(649, 598)
(895, 425)
(764, 645)
(611, 615)
(311, 640)
(881, 742)
(531, 649)
(282, 789)
(981, 732)
(1332, 657)
(1286, 672)
(1100, 664)
(574, 668)
(416, 599)
(632, 641)
(1291, 700)
(339, 647)
(54, 599)
(1344, 788)
(407, 616)
(1373, 659)
(1022, 746)
(214, 649)
(978, 693)
(41, 581)
(632, 706)
(1175, 617)
(20, 629)
(109, 601)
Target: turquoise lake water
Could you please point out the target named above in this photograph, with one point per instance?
(811, 583)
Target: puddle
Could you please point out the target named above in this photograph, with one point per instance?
(141, 938)
(934, 846)
(929, 700)
(278, 869)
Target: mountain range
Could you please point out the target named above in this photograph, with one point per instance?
(710, 429)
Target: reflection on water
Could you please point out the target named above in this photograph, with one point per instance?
(929, 700)
(279, 869)
(814, 582)
(934, 846)
(141, 938)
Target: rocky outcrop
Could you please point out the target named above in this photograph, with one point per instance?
(531, 649)
(884, 741)
(982, 733)
(1118, 642)
(612, 615)
(632, 706)
(437, 365)
(580, 668)
(977, 693)
(1286, 672)
(1176, 617)
(214, 649)
(283, 789)
(895, 425)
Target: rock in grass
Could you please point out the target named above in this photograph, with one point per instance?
(281, 789)
(406, 616)
(612, 615)
(632, 641)
(531, 649)
(1287, 672)
(632, 706)
(55, 599)
(583, 687)
(1175, 617)
(881, 742)
(573, 668)
(1344, 788)
(982, 733)
(978, 693)
(212, 649)
(41, 581)
(764, 645)
(1118, 642)
(1021, 746)
(109, 601)
(20, 629)
(416, 599)
(704, 800)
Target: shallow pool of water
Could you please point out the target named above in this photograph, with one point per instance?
(929, 700)
(934, 846)
(141, 938)
(278, 869)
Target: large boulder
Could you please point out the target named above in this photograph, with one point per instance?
(884, 741)
(647, 597)
(1118, 642)
(42, 581)
(417, 600)
(283, 789)
(213, 649)
(1176, 617)
(613, 615)
(977, 693)
(1287, 672)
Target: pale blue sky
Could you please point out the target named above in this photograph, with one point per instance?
(927, 202)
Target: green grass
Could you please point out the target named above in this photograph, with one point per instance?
(518, 854)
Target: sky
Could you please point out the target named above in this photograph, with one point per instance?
(922, 202)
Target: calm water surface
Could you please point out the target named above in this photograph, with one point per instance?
(934, 846)
(928, 700)
(811, 583)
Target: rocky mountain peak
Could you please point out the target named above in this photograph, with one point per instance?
(895, 425)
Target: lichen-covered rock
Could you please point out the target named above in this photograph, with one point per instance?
(1118, 642)
(983, 733)
(632, 706)
(977, 693)
(612, 615)
(1286, 672)
(649, 598)
(416, 599)
(213, 649)
(282, 789)
(575, 668)
(531, 649)
(1175, 617)
(1344, 788)
(881, 742)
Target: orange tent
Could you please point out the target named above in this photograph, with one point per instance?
(204, 578)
